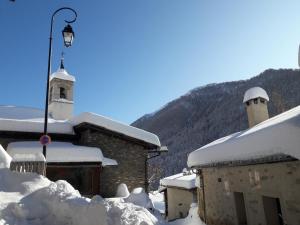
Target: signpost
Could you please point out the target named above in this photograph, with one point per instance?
(45, 140)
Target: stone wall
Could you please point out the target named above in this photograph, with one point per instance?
(130, 157)
(276, 180)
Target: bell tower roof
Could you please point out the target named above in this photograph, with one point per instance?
(62, 73)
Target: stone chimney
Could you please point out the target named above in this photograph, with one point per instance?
(256, 100)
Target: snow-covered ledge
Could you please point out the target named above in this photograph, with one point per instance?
(59, 152)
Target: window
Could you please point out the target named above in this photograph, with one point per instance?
(62, 93)
(248, 103)
(240, 208)
(255, 101)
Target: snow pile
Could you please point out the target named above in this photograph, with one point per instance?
(192, 219)
(183, 180)
(122, 191)
(139, 197)
(158, 201)
(124, 213)
(5, 159)
(40, 201)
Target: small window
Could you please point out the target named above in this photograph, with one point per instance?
(262, 101)
(255, 101)
(248, 103)
(62, 93)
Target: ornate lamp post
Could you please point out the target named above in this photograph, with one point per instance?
(68, 36)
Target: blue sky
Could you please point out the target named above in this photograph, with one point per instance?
(130, 57)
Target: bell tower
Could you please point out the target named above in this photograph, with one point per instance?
(61, 93)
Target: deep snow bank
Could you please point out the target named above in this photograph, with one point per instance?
(125, 213)
(40, 201)
(192, 219)
(31, 199)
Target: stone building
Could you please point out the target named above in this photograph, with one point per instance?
(122, 149)
(179, 193)
(252, 176)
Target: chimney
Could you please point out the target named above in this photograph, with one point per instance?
(256, 100)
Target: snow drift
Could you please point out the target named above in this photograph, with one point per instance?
(40, 201)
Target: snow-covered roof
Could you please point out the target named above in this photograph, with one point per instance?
(109, 162)
(57, 151)
(182, 180)
(29, 157)
(275, 136)
(62, 74)
(13, 118)
(255, 92)
(26, 119)
(20, 112)
(118, 127)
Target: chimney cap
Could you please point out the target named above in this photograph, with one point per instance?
(255, 92)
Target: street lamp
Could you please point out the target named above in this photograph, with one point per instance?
(68, 36)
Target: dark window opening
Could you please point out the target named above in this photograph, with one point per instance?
(255, 101)
(240, 208)
(248, 103)
(262, 101)
(84, 179)
(273, 211)
(62, 93)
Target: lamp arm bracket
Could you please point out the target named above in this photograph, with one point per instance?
(65, 8)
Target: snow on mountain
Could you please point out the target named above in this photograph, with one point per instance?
(210, 112)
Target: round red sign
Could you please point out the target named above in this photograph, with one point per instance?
(45, 140)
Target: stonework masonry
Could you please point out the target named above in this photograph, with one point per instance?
(130, 157)
(275, 180)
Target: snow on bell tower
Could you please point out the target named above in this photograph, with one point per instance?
(61, 94)
(256, 100)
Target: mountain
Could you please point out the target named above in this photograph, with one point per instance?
(210, 112)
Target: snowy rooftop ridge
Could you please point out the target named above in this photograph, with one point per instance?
(101, 121)
(179, 180)
(275, 136)
(23, 119)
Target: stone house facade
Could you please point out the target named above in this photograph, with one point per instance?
(130, 153)
(252, 176)
(251, 194)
